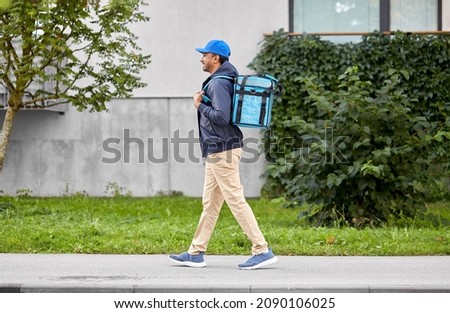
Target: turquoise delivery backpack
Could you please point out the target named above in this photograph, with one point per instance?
(252, 100)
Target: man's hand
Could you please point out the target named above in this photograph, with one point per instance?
(198, 98)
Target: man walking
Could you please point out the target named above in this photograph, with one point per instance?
(221, 145)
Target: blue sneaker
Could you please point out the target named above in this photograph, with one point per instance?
(257, 261)
(187, 259)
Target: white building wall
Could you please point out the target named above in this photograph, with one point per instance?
(52, 154)
(446, 15)
(177, 27)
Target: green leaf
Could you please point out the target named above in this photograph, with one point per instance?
(405, 73)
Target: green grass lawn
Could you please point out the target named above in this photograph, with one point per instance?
(127, 225)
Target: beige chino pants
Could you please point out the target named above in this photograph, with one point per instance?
(222, 182)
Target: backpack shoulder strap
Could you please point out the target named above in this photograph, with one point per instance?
(217, 77)
(205, 98)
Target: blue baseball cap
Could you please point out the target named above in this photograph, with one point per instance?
(215, 46)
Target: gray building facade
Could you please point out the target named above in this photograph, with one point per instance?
(147, 144)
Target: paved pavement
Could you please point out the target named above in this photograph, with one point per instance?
(155, 273)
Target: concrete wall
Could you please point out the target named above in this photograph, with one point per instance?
(146, 146)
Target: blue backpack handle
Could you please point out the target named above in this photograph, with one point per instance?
(271, 77)
(277, 84)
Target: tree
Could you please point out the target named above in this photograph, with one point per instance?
(84, 50)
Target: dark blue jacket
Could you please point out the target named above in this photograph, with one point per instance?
(217, 134)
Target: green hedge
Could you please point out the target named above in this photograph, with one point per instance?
(362, 129)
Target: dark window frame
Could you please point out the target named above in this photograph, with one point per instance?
(385, 15)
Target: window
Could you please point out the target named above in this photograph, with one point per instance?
(336, 16)
(414, 15)
(349, 16)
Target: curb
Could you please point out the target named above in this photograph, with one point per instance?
(18, 288)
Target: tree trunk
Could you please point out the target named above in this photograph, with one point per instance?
(6, 132)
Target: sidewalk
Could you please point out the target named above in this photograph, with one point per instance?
(155, 273)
